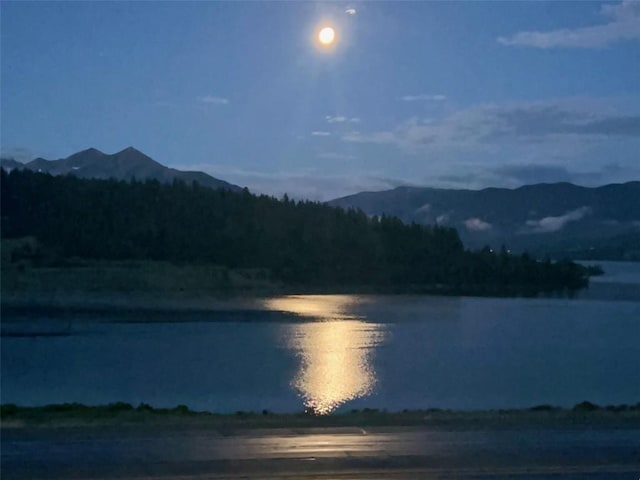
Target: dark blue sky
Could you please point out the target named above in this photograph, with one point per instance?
(450, 94)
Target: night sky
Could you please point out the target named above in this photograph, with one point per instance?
(446, 94)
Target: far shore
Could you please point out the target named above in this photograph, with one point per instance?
(98, 286)
(584, 414)
(114, 302)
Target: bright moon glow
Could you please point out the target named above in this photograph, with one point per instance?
(327, 35)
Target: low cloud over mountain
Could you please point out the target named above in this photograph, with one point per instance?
(555, 224)
(540, 218)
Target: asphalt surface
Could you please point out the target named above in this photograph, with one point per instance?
(337, 453)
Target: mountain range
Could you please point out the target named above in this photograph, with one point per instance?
(557, 219)
(124, 165)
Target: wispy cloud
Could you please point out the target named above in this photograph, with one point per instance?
(213, 100)
(530, 122)
(320, 133)
(623, 24)
(335, 119)
(423, 97)
(555, 224)
(508, 145)
(477, 225)
(341, 119)
(373, 137)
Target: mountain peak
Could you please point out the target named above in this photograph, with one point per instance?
(90, 151)
(123, 165)
(131, 154)
(130, 150)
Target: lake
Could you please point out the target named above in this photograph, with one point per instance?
(340, 352)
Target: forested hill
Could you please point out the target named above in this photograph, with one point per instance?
(300, 243)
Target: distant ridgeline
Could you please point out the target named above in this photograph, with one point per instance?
(302, 244)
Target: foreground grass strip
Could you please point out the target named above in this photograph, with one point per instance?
(123, 414)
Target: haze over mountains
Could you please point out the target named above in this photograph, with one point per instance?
(124, 165)
(559, 218)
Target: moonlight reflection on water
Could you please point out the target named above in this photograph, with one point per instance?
(335, 350)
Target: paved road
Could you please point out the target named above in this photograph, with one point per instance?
(340, 453)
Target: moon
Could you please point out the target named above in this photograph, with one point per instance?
(327, 35)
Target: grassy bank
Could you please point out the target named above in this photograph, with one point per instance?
(123, 414)
(84, 285)
(86, 276)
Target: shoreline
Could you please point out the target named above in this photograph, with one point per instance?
(137, 284)
(113, 301)
(584, 414)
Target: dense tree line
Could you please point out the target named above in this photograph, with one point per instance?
(306, 243)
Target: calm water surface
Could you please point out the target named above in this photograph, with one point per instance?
(327, 352)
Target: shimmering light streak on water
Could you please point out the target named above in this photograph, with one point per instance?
(336, 364)
(335, 351)
(318, 307)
